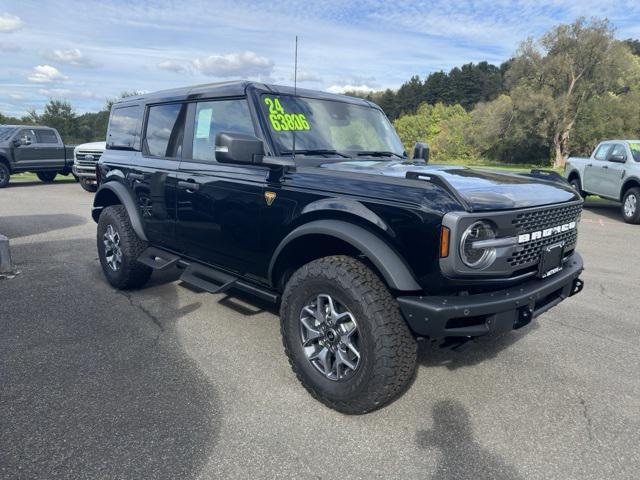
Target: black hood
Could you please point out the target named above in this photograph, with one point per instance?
(481, 189)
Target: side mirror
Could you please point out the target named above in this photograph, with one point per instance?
(22, 141)
(618, 158)
(421, 151)
(238, 148)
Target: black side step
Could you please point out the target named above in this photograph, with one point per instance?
(157, 259)
(208, 279)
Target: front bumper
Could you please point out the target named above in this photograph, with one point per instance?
(83, 172)
(491, 313)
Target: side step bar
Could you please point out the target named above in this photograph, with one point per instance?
(205, 278)
(157, 259)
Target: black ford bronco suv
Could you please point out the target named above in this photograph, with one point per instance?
(308, 200)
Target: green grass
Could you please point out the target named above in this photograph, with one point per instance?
(32, 177)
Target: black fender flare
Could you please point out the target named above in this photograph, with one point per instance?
(389, 263)
(125, 198)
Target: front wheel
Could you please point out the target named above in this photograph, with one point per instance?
(344, 335)
(47, 177)
(577, 186)
(88, 186)
(631, 205)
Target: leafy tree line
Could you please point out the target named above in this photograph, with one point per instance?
(73, 128)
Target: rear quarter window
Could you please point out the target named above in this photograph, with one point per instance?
(124, 128)
(46, 136)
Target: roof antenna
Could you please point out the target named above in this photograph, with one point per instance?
(295, 95)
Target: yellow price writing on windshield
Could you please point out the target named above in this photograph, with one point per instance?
(282, 121)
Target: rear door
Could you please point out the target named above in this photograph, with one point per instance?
(594, 174)
(220, 205)
(153, 177)
(50, 150)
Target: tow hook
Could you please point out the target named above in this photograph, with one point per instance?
(577, 287)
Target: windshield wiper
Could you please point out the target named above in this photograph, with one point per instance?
(379, 153)
(316, 151)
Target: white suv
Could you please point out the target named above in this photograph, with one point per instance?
(85, 158)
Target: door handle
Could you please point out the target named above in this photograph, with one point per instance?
(605, 166)
(188, 186)
(589, 164)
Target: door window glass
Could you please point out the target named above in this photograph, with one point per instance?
(124, 128)
(230, 116)
(30, 134)
(165, 130)
(46, 136)
(601, 153)
(618, 149)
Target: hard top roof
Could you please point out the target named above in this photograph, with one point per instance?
(234, 88)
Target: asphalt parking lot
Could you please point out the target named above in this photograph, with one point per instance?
(169, 383)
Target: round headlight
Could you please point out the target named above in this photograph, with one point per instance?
(476, 256)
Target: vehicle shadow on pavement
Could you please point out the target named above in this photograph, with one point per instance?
(31, 183)
(462, 458)
(24, 225)
(473, 353)
(609, 210)
(95, 383)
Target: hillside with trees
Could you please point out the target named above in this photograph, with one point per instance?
(558, 96)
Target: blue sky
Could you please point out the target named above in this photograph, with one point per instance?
(87, 51)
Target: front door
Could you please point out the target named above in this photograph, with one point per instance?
(220, 205)
(26, 156)
(153, 177)
(613, 172)
(50, 150)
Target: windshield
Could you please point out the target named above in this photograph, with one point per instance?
(6, 132)
(329, 127)
(635, 150)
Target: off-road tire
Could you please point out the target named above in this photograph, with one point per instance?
(131, 274)
(577, 186)
(5, 175)
(47, 177)
(88, 187)
(635, 216)
(388, 358)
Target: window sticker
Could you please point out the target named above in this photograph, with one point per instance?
(282, 121)
(204, 123)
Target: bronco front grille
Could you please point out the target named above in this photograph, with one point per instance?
(527, 222)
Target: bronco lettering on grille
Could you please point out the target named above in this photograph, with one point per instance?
(547, 232)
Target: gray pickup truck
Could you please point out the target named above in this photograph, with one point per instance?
(27, 148)
(612, 171)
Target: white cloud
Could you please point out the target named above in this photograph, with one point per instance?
(172, 66)
(71, 56)
(45, 74)
(10, 23)
(243, 64)
(350, 88)
(67, 93)
(304, 76)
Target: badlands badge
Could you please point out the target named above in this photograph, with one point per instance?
(269, 197)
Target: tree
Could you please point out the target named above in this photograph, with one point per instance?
(565, 69)
(60, 115)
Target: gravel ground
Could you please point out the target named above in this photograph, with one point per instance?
(169, 383)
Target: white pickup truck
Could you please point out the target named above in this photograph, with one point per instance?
(612, 171)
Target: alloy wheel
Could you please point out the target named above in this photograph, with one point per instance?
(330, 338)
(112, 249)
(630, 205)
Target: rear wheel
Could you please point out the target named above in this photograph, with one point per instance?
(5, 175)
(88, 186)
(631, 205)
(345, 336)
(119, 248)
(47, 177)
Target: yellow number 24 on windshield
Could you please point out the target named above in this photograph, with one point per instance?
(282, 121)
